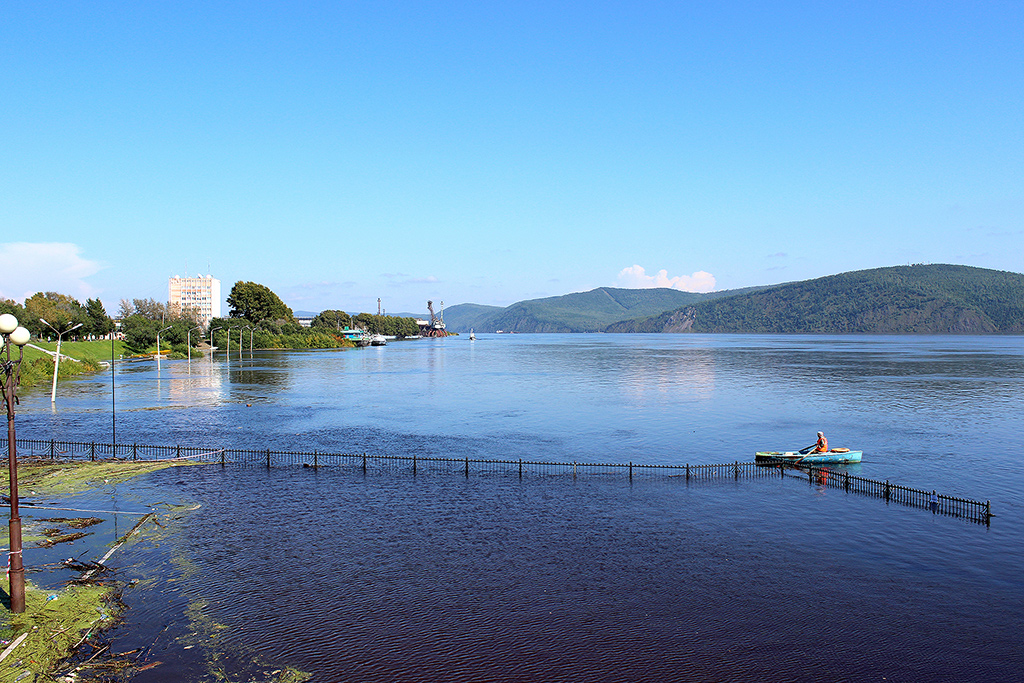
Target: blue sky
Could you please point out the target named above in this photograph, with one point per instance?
(493, 152)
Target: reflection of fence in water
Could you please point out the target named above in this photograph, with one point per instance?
(840, 479)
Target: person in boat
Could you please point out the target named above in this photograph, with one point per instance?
(822, 445)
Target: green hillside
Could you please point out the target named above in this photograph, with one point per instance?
(921, 299)
(580, 312)
(465, 317)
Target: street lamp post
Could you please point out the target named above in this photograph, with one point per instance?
(190, 346)
(12, 332)
(213, 344)
(158, 346)
(252, 331)
(56, 359)
(241, 331)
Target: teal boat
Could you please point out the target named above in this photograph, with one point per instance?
(836, 456)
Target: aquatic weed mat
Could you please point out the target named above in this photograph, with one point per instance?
(42, 476)
(171, 631)
(53, 627)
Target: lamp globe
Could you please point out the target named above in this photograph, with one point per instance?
(8, 323)
(20, 336)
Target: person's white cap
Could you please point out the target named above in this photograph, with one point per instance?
(821, 433)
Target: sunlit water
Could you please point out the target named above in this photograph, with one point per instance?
(387, 576)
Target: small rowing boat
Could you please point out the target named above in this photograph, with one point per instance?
(832, 457)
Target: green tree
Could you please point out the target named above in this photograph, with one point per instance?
(139, 332)
(257, 303)
(14, 308)
(60, 310)
(334, 320)
(148, 308)
(99, 322)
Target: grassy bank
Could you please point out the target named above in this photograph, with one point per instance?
(37, 367)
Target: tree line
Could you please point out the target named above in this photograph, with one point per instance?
(255, 312)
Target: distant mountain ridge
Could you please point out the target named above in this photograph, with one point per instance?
(591, 311)
(920, 299)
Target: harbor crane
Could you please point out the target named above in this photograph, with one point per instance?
(436, 327)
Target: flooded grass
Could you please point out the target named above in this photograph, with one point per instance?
(59, 636)
(53, 626)
(46, 477)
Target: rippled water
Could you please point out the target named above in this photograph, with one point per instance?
(393, 577)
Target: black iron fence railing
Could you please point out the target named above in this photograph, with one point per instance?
(838, 478)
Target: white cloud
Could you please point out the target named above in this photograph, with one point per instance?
(635, 277)
(31, 267)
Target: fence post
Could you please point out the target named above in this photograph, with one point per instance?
(631, 470)
(268, 458)
(414, 464)
(316, 460)
(364, 463)
(52, 450)
(687, 471)
(222, 457)
(520, 468)
(887, 490)
(736, 468)
(92, 451)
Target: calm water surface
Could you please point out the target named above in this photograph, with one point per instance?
(393, 577)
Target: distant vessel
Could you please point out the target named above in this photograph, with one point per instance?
(378, 340)
(472, 337)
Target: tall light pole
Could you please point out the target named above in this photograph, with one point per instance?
(213, 343)
(56, 359)
(12, 332)
(241, 331)
(252, 331)
(158, 346)
(113, 399)
(190, 347)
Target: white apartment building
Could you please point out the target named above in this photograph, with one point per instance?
(199, 293)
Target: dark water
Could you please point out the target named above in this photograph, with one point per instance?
(391, 577)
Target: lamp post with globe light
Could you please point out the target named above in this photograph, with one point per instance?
(19, 336)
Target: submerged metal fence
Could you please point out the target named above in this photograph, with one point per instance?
(954, 506)
(904, 495)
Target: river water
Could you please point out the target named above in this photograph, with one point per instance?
(389, 576)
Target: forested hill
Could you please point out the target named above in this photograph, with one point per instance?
(580, 312)
(922, 299)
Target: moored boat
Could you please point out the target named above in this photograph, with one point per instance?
(833, 457)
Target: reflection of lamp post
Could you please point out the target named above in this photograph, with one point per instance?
(12, 375)
(56, 359)
(190, 346)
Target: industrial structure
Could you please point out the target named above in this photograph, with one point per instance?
(435, 328)
(200, 294)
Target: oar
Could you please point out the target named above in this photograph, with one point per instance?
(808, 449)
